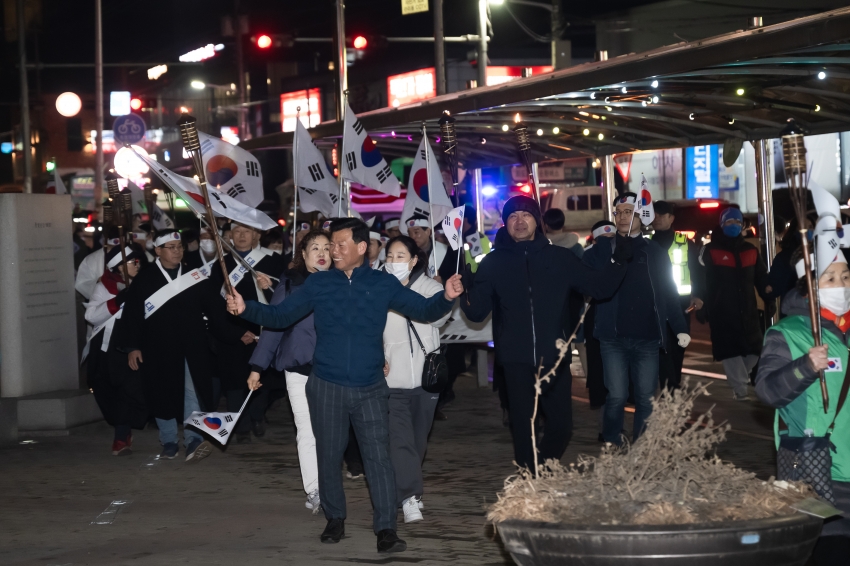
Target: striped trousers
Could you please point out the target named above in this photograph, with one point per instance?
(332, 408)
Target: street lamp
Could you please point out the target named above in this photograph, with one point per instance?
(199, 85)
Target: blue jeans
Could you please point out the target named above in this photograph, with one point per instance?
(168, 428)
(624, 359)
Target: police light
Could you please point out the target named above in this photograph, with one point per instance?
(488, 190)
(135, 103)
(360, 42)
(264, 41)
(6, 147)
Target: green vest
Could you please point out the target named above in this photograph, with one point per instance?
(806, 411)
(678, 253)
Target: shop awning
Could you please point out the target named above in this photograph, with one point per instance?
(738, 86)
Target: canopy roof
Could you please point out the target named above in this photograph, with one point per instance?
(742, 85)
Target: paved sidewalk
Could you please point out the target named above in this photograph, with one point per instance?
(245, 505)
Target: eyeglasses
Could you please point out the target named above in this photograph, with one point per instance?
(618, 212)
(177, 248)
(135, 262)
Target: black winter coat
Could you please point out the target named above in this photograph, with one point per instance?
(526, 285)
(734, 271)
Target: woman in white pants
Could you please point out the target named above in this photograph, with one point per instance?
(411, 408)
(291, 350)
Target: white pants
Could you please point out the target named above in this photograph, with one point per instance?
(738, 372)
(306, 442)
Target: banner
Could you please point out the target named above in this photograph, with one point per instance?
(460, 329)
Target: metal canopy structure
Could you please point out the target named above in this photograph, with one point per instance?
(742, 85)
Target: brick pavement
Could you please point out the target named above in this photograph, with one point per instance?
(246, 506)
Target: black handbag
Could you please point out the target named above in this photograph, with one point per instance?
(809, 458)
(435, 371)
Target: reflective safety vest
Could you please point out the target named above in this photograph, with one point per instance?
(679, 258)
(475, 247)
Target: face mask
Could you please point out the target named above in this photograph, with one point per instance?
(732, 230)
(278, 249)
(836, 299)
(208, 246)
(149, 245)
(400, 270)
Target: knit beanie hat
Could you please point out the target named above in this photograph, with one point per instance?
(731, 213)
(522, 203)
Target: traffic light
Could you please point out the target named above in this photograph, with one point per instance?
(360, 42)
(50, 166)
(264, 41)
(136, 103)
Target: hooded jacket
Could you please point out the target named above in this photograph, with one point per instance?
(401, 349)
(350, 316)
(526, 285)
(660, 270)
(733, 270)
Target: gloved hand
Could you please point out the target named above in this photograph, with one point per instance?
(623, 253)
(684, 340)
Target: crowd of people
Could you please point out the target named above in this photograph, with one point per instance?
(342, 320)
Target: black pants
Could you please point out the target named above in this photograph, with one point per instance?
(555, 407)
(411, 417)
(670, 361)
(456, 365)
(595, 373)
(333, 408)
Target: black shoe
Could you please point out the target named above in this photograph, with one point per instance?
(243, 438)
(258, 428)
(334, 531)
(388, 541)
(440, 415)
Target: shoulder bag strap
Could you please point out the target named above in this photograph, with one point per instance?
(413, 328)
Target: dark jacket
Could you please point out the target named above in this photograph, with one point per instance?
(292, 348)
(664, 291)
(734, 270)
(526, 285)
(350, 316)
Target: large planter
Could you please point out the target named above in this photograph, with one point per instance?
(777, 541)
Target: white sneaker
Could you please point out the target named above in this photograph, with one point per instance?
(313, 502)
(410, 506)
(419, 502)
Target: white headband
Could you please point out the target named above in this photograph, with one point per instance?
(113, 242)
(138, 236)
(165, 238)
(418, 223)
(390, 224)
(801, 266)
(604, 229)
(303, 226)
(117, 259)
(626, 200)
(374, 236)
(326, 225)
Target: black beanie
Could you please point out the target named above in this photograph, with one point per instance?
(526, 204)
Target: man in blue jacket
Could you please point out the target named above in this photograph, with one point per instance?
(350, 305)
(631, 326)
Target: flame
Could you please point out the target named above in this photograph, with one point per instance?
(517, 118)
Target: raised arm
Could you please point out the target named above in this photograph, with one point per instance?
(285, 314)
(598, 283)
(415, 306)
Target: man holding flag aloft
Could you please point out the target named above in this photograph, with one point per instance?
(632, 324)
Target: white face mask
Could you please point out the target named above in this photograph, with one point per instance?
(836, 299)
(400, 270)
(208, 246)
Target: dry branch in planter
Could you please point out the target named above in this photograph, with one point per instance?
(669, 476)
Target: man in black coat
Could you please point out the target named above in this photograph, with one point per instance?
(525, 281)
(734, 271)
(164, 331)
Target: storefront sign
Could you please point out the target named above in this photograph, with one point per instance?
(413, 6)
(499, 75)
(702, 171)
(311, 108)
(414, 86)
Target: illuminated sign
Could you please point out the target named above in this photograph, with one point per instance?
(201, 53)
(702, 171)
(311, 108)
(230, 134)
(414, 86)
(156, 72)
(119, 103)
(500, 75)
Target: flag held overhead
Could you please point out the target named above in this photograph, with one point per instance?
(362, 162)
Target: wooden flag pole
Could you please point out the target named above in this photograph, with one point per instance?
(189, 134)
(430, 191)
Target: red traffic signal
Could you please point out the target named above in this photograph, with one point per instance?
(360, 42)
(135, 103)
(264, 41)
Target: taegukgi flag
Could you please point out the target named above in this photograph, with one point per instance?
(419, 193)
(361, 162)
(217, 425)
(231, 170)
(190, 191)
(453, 227)
(644, 208)
(311, 168)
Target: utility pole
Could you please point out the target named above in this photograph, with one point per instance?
(240, 68)
(482, 43)
(98, 104)
(25, 97)
(439, 47)
(341, 63)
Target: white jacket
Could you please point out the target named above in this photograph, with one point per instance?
(406, 368)
(90, 270)
(97, 312)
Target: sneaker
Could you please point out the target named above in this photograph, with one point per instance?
(410, 506)
(744, 397)
(355, 475)
(198, 450)
(169, 451)
(258, 428)
(121, 448)
(388, 541)
(313, 502)
(334, 531)
(421, 505)
(243, 438)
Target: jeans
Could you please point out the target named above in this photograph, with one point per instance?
(737, 371)
(168, 428)
(304, 439)
(624, 359)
